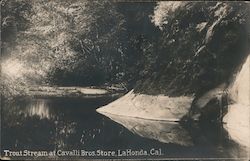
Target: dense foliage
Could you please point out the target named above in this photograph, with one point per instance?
(172, 48)
(201, 46)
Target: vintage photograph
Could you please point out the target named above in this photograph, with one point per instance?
(124, 79)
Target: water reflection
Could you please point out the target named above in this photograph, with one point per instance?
(163, 131)
(68, 124)
(38, 108)
(50, 123)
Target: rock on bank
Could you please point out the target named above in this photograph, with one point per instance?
(158, 107)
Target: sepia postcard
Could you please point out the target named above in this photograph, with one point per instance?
(125, 80)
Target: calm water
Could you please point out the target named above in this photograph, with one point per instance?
(67, 123)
